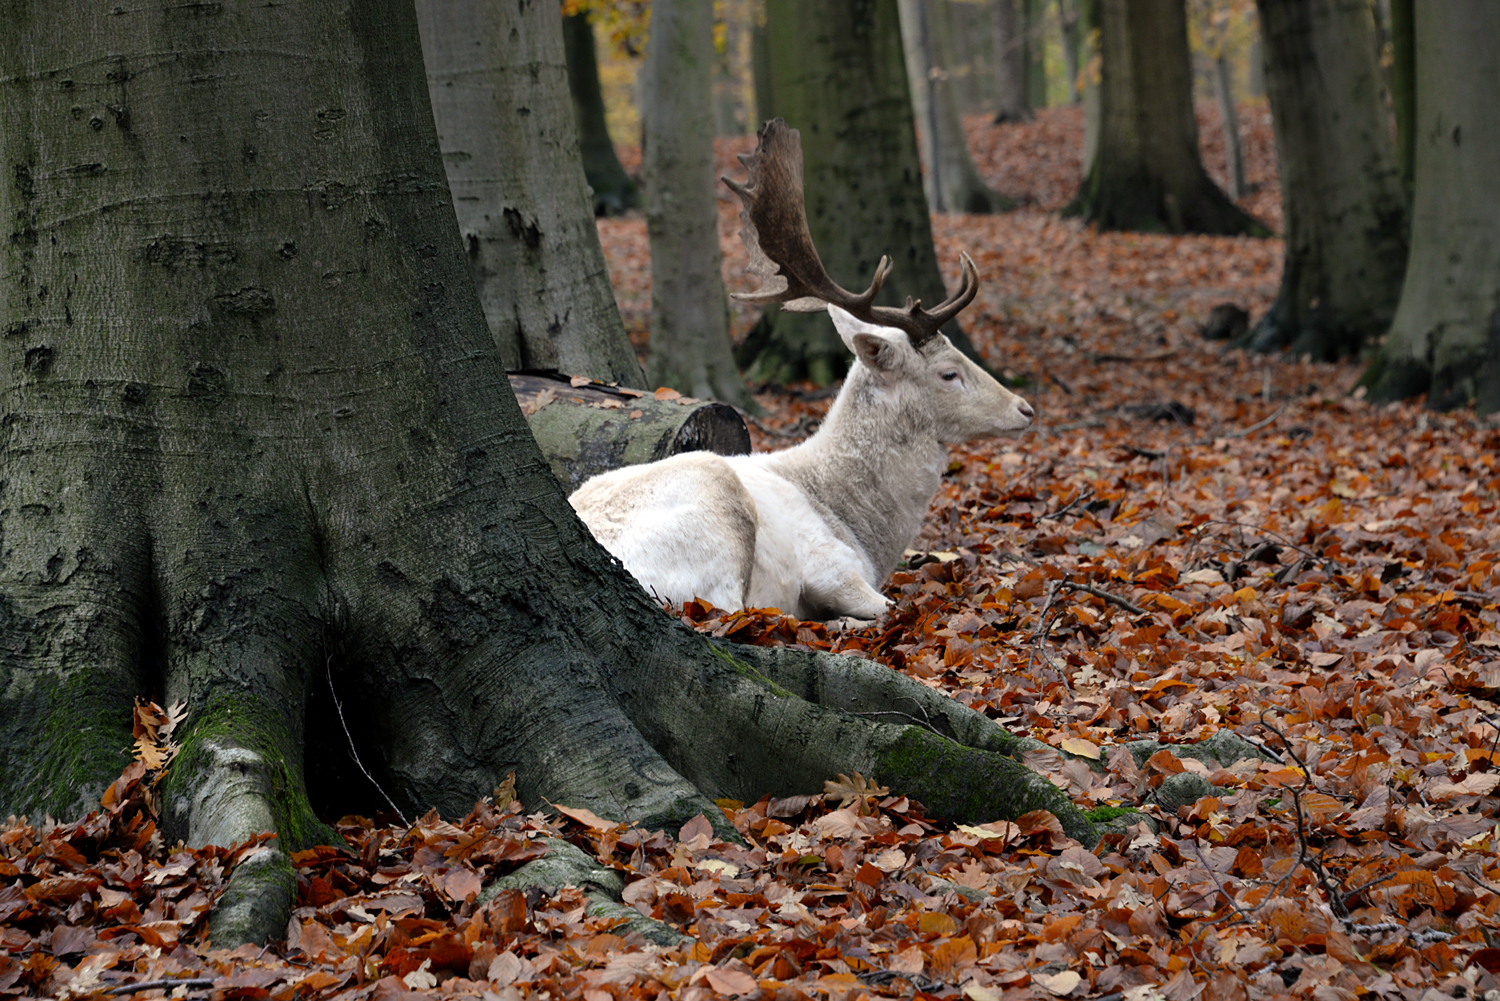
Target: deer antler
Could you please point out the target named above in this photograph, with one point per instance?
(773, 215)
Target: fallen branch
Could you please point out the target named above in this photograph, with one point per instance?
(1099, 592)
(1104, 356)
(1243, 431)
(197, 983)
(1085, 495)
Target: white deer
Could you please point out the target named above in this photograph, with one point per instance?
(815, 529)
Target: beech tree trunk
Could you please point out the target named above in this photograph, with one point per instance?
(1230, 122)
(499, 93)
(690, 348)
(1147, 174)
(1010, 64)
(949, 177)
(838, 74)
(258, 443)
(1445, 338)
(1404, 88)
(1345, 211)
(1072, 46)
(614, 191)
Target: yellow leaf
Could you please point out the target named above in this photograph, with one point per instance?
(1079, 746)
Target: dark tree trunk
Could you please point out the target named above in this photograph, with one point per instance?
(838, 74)
(499, 94)
(1404, 88)
(1345, 212)
(1033, 53)
(258, 441)
(1072, 46)
(1010, 63)
(1147, 174)
(614, 191)
(1445, 338)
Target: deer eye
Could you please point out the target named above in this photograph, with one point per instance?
(949, 376)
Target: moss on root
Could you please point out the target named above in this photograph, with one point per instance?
(972, 786)
(244, 721)
(86, 746)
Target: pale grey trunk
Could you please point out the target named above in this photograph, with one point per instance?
(1341, 192)
(1092, 103)
(1229, 121)
(1445, 338)
(1072, 44)
(1010, 63)
(499, 85)
(1147, 173)
(689, 309)
(1255, 83)
(949, 178)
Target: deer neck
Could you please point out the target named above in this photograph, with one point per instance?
(873, 466)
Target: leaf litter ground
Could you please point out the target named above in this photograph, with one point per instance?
(1189, 541)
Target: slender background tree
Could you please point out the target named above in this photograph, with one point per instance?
(949, 177)
(690, 348)
(614, 191)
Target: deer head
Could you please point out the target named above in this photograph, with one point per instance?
(921, 372)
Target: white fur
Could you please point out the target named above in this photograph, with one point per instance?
(815, 529)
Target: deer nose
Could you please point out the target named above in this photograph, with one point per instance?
(1024, 409)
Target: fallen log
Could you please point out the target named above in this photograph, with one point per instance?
(585, 428)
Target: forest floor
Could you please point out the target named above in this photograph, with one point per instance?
(1188, 541)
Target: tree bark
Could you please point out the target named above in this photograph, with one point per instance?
(1230, 121)
(838, 74)
(614, 191)
(499, 93)
(1147, 174)
(1445, 338)
(1404, 88)
(1346, 224)
(1033, 52)
(690, 348)
(259, 447)
(1010, 64)
(1072, 46)
(949, 178)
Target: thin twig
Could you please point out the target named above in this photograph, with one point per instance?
(1099, 592)
(1243, 431)
(197, 983)
(328, 669)
(1335, 897)
(1085, 495)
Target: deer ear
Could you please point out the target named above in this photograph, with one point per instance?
(876, 346)
(878, 352)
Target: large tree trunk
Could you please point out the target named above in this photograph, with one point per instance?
(949, 177)
(505, 121)
(1445, 338)
(690, 348)
(614, 191)
(1147, 174)
(1010, 63)
(838, 74)
(258, 443)
(1340, 189)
